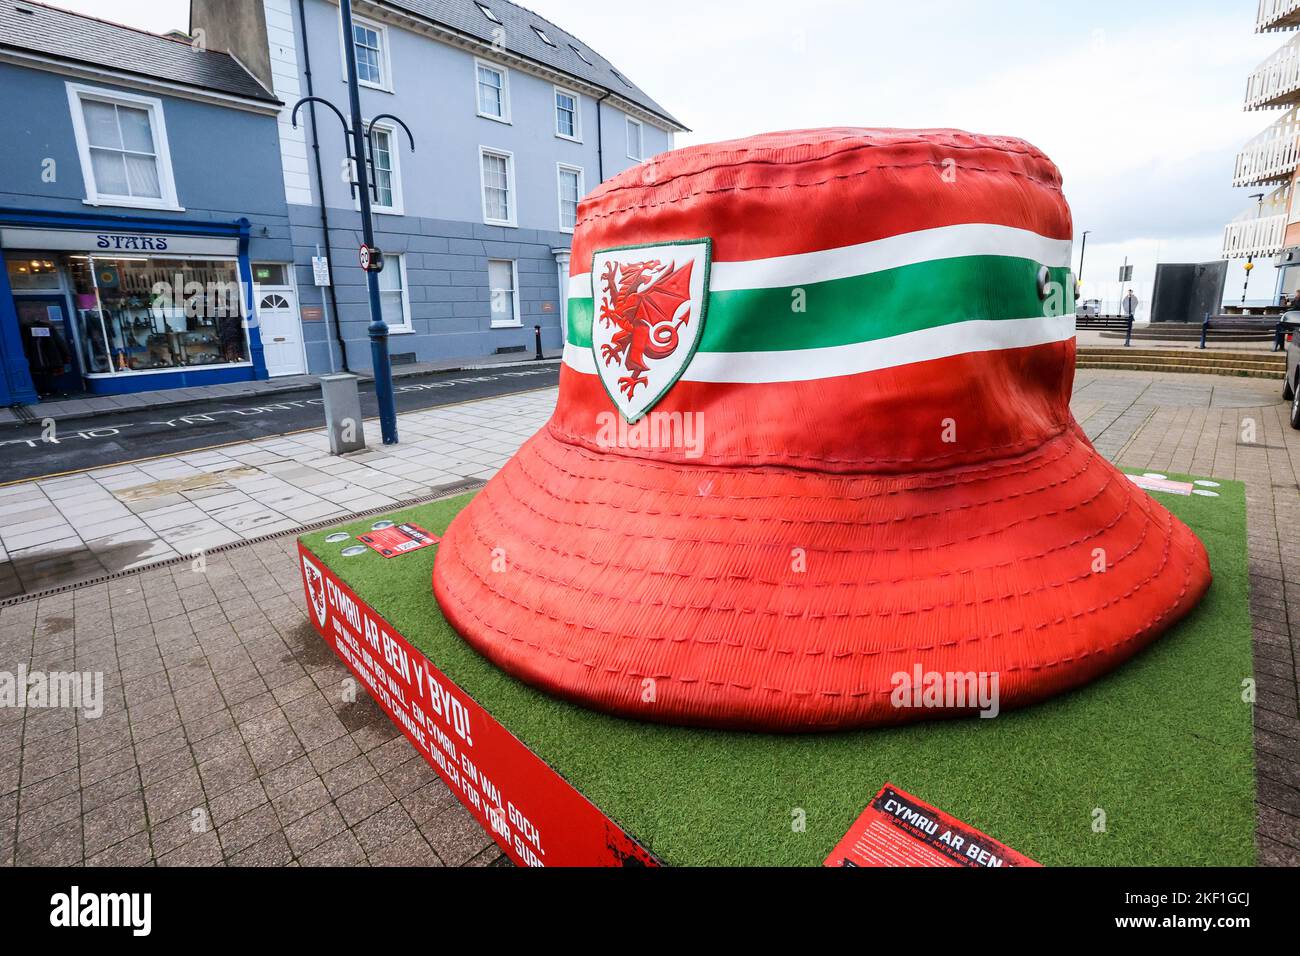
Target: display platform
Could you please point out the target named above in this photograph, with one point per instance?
(1150, 765)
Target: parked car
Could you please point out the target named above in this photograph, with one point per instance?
(1088, 309)
(1291, 387)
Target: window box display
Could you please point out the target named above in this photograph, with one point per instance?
(151, 314)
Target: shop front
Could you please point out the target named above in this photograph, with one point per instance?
(107, 305)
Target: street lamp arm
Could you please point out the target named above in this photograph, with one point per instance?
(396, 120)
(319, 99)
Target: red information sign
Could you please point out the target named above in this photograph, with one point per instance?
(897, 829)
(398, 539)
(532, 812)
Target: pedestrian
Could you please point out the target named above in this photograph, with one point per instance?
(1129, 306)
(47, 353)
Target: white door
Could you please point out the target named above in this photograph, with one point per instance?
(277, 317)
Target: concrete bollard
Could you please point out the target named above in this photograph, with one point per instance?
(343, 413)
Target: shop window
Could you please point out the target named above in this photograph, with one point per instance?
(122, 143)
(33, 275)
(136, 315)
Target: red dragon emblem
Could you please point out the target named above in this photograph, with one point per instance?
(641, 304)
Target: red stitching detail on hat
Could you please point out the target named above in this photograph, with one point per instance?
(613, 186)
(505, 473)
(645, 571)
(1150, 625)
(910, 516)
(591, 217)
(685, 468)
(812, 461)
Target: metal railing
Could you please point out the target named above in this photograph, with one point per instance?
(1272, 156)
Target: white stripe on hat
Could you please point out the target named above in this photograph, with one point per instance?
(803, 365)
(926, 245)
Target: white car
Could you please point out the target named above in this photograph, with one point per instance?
(1088, 309)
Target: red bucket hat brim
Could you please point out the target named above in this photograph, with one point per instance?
(666, 591)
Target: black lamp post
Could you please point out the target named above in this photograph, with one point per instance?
(1083, 252)
(359, 141)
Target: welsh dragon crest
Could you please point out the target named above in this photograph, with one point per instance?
(651, 313)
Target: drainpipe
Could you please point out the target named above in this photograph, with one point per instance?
(600, 134)
(320, 188)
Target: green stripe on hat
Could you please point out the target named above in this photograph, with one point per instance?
(863, 308)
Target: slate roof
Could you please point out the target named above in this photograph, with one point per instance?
(464, 16)
(51, 32)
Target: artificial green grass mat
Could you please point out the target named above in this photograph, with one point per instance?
(1162, 746)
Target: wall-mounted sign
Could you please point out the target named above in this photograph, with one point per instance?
(320, 270)
(119, 243)
(312, 313)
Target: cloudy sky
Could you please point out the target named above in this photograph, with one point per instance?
(1139, 103)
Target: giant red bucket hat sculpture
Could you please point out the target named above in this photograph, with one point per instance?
(813, 432)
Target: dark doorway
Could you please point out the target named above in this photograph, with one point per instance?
(43, 322)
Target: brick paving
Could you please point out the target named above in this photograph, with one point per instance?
(227, 737)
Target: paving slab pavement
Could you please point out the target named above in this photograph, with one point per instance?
(227, 735)
(57, 531)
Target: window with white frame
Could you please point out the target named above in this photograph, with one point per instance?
(493, 91)
(370, 40)
(394, 304)
(570, 193)
(122, 144)
(498, 170)
(635, 140)
(388, 190)
(568, 118)
(504, 299)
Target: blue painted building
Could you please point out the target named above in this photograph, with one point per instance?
(514, 119)
(143, 221)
